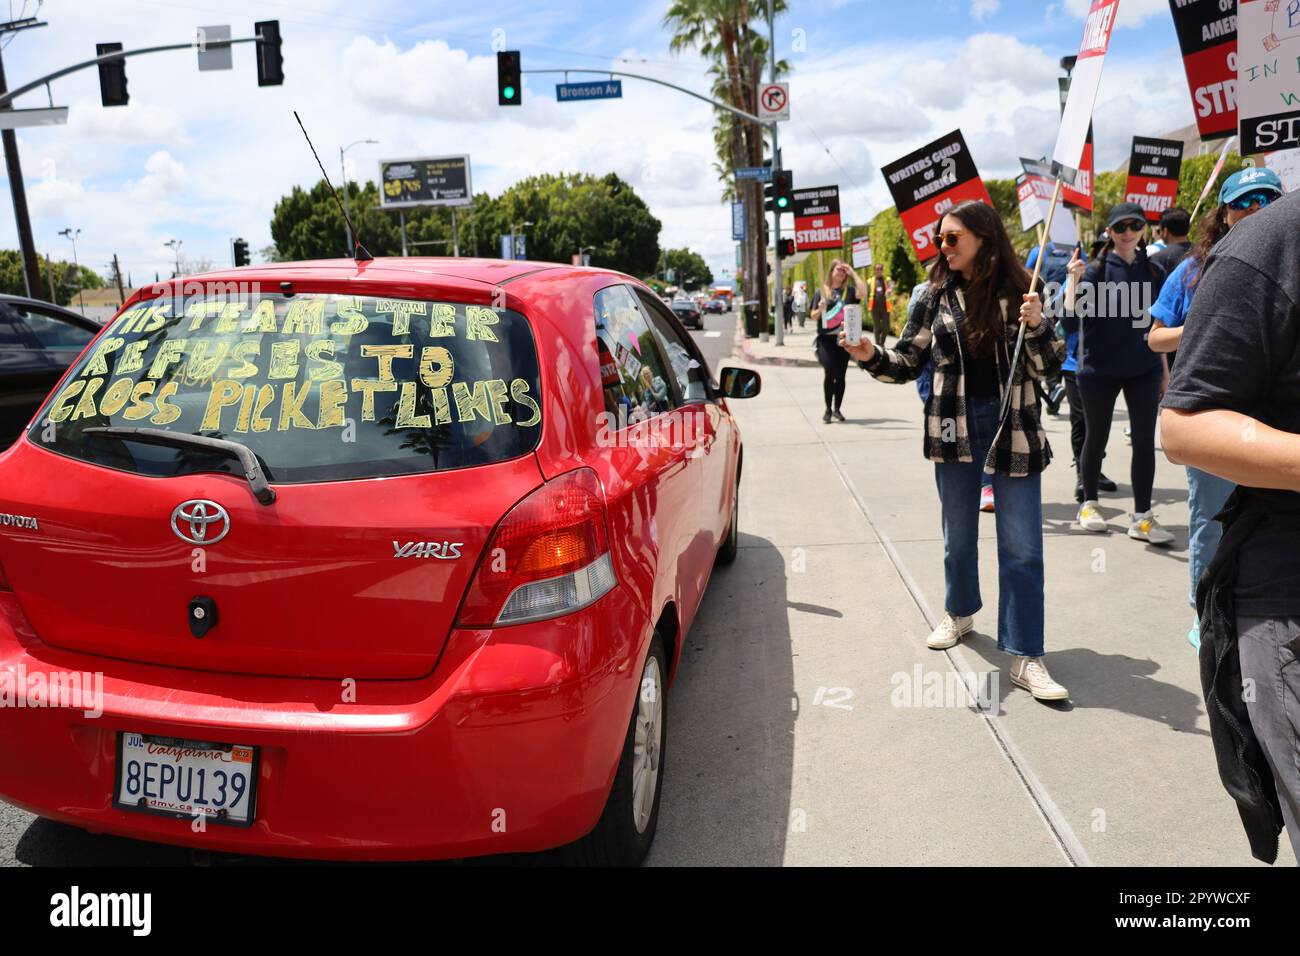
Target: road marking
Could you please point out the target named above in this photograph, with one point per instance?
(1063, 834)
(713, 335)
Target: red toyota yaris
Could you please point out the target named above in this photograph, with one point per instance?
(389, 559)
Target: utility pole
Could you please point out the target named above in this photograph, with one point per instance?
(14, 169)
(117, 276)
(778, 297)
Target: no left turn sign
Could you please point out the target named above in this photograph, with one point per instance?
(774, 101)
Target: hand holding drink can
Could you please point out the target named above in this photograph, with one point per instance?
(853, 324)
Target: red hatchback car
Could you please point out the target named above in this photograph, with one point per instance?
(364, 560)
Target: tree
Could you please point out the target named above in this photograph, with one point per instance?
(63, 276)
(688, 267)
(569, 212)
(721, 31)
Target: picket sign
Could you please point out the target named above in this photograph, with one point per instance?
(1209, 183)
(1033, 284)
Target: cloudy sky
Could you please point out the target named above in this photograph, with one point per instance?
(203, 157)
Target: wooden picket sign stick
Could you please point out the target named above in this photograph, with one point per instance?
(1033, 284)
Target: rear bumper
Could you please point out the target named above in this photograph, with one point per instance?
(510, 745)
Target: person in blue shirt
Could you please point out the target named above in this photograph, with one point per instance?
(1244, 193)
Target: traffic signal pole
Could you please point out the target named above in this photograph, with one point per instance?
(6, 99)
(778, 296)
(22, 219)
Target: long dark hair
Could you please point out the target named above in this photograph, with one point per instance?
(1213, 227)
(996, 274)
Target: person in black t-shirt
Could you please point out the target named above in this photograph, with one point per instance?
(842, 286)
(1233, 409)
(1175, 224)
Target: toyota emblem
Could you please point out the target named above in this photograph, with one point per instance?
(200, 521)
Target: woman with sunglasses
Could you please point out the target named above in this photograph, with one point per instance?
(1243, 194)
(967, 321)
(1108, 300)
(841, 287)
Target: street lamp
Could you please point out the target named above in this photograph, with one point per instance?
(347, 213)
(175, 246)
(72, 235)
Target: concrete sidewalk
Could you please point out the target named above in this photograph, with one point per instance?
(810, 724)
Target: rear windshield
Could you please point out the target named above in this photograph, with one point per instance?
(321, 387)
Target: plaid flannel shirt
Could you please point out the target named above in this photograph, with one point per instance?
(933, 333)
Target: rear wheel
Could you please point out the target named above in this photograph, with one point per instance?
(626, 828)
(731, 543)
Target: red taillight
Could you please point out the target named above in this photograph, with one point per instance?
(552, 548)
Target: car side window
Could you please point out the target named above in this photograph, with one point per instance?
(10, 337)
(634, 376)
(55, 333)
(691, 374)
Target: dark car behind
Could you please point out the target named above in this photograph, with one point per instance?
(689, 314)
(38, 341)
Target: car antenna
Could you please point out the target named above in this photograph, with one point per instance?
(359, 253)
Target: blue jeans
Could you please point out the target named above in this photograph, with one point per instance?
(1206, 495)
(1019, 517)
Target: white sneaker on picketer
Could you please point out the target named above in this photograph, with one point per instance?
(949, 632)
(1146, 528)
(1031, 674)
(1090, 518)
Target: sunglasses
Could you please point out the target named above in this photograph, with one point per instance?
(1252, 199)
(1131, 225)
(949, 239)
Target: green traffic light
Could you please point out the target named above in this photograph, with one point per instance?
(783, 202)
(509, 92)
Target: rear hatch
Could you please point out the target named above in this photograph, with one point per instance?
(394, 433)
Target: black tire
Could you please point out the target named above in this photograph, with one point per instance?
(616, 841)
(731, 543)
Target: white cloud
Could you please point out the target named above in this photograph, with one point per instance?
(431, 79)
(163, 178)
(981, 10)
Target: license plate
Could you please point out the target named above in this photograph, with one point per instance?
(186, 778)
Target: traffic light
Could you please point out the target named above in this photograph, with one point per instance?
(112, 76)
(240, 250)
(776, 194)
(270, 64)
(510, 90)
(785, 249)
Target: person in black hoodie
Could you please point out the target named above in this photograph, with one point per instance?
(1109, 301)
(1233, 409)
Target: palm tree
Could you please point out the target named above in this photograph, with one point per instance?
(720, 30)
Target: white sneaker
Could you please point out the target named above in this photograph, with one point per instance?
(1031, 674)
(1146, 528)
(949, 632)
(1090, 518)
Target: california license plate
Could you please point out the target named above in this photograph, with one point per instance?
(186, 778)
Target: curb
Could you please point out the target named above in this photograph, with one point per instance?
(740, 348)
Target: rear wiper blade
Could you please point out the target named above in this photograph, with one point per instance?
(262, 491)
